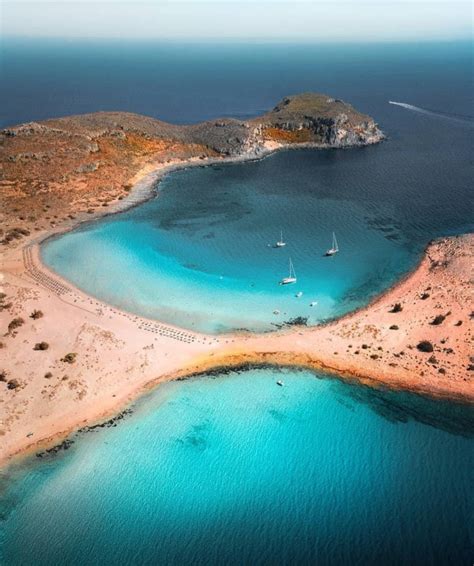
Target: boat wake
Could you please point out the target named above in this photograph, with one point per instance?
(447, 115)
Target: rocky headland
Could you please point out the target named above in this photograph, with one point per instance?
(82, 164)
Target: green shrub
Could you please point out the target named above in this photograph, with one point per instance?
(15, 323)
(36, 314)
(425, 346)
(69, 358)
(438, 319)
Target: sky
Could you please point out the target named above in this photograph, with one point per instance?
(272, 20)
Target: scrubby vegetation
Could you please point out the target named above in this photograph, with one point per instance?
(36, 314)
(15, 323)
(41, 346)
(394, 327)
(69, 358)
(3, 304)
(15, 234)
(425, 346)
(397, 307)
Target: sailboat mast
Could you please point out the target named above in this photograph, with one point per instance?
(292, 269)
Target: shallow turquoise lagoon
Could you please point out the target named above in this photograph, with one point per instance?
(201, 254)
(236, 470)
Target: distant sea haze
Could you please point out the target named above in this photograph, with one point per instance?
(193, 82)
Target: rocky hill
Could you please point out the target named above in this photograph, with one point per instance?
(59, 167)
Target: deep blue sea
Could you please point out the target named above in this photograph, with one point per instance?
(235, 470)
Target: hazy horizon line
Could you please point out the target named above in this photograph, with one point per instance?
(239, 40)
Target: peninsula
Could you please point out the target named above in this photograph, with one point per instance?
(68, 360)
(63, 167)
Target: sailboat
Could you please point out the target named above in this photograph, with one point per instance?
(335, 248)
(281, 243)
(292, 276)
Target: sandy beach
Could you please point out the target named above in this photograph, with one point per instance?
(119, 355)
(69, 360)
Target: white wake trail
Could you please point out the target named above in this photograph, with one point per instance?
(410, 107)
(446, 115)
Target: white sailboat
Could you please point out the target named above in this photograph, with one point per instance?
(281, 243)
(335, 248)
(291, 277)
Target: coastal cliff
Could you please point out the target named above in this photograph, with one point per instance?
(61, 167)
(310, 119)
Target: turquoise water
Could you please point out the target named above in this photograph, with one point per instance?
(201, 255)
(236, 470)
(198, 255)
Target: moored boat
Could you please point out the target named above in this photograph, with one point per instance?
(281, 243)
(291, 277)
(335, 248)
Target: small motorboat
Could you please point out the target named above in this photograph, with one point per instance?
(280, 383)
(313, 303)
(299, 294)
